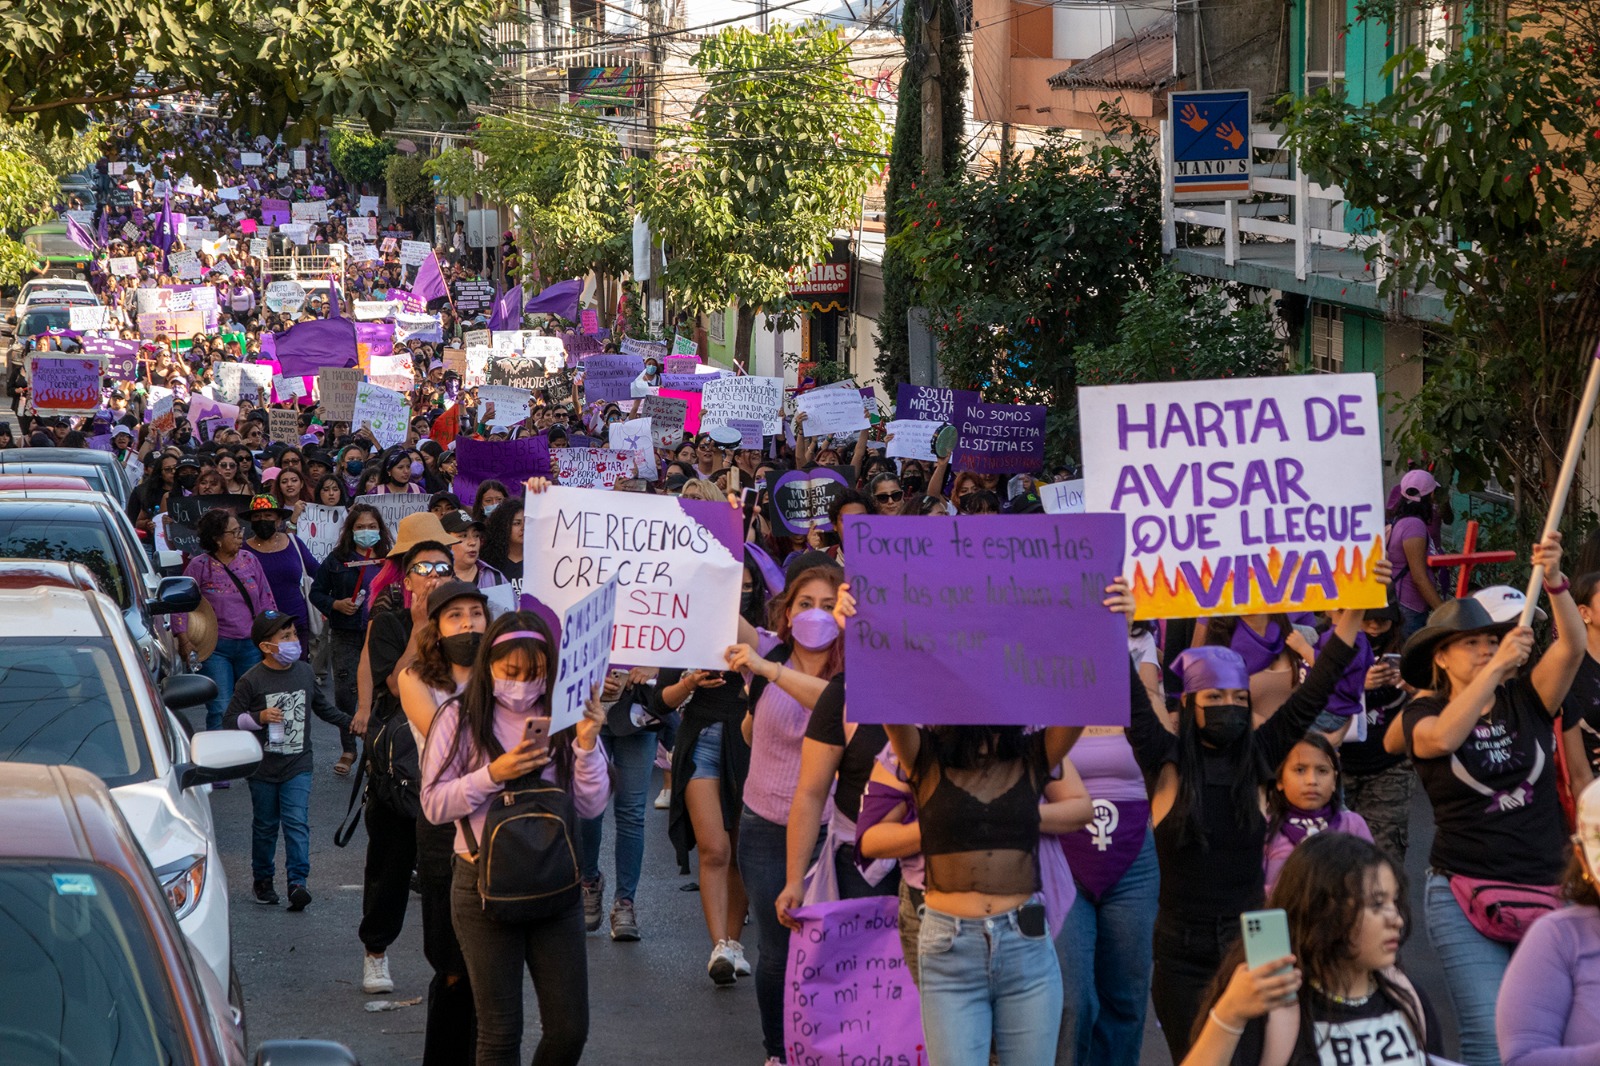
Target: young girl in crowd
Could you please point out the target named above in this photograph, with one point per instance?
(1306, 801)
(1483, 741)
(1340, 998)
(476, 751)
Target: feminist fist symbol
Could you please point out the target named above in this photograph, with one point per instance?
(1192, 118)
(1230, 133)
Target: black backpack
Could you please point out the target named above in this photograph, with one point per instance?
(394, 766)
(528, 861)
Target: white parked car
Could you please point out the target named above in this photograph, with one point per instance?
(74, 691)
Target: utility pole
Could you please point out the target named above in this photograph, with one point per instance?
(932, 92)
(1005, 149)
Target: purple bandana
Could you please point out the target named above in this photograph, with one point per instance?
(1258, 652)
(1101, 852)
(1298, 824)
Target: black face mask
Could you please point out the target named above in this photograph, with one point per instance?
(264, 530)
(188, 478)
(1226, 723)
(461, 649)
(747, 602)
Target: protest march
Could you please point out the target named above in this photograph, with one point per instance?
(972, 746)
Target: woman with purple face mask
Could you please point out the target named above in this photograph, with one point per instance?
(400, 473)
(478, 750)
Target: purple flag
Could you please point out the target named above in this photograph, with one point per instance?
(80, 236)
(307, 347)
(103, 231)
(508, 461)
(333, 299)
(558, 299)
(165, 232)
(507, 313)
(429, 285)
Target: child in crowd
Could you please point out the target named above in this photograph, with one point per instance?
(1308, 800)
(271, 699)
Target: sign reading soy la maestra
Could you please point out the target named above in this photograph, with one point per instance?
(1242, 496)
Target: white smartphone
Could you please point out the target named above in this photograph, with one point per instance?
(1266, 937)
(538, 732)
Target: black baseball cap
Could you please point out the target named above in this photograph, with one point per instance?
(450, 591)
(269, 624)
(458, 522)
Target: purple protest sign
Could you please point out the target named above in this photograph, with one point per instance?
(927, 403)
(122, 357)
(682, 364)
(750, 438)
(999, 438)
(274, 212)
(951, 610)
(610, 377)
(800, 498)
(508, 461)
(687, 382)
(848, 994)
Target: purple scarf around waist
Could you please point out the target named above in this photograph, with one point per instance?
(1101, 852)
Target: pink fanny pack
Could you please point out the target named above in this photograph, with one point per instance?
(1500, 910)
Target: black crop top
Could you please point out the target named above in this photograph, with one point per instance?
(980, 828)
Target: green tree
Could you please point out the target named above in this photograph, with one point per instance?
(1019, 270)
(562, 171)
(290, 66)
(408, 185)
(1495, 208)
(779, 151)
(905, 170)
(29, 165)
(359, 157)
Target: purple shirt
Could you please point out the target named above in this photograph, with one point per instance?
(284, 569)
(1408, 528)
(234, 615)
(1549, 1008)
(462, 787)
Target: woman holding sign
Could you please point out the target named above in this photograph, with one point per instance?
(1205, 803)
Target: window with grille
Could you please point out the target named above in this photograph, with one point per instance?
(1327, 339)
(1325, 22)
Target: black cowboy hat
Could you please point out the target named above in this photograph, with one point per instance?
(1455, 618)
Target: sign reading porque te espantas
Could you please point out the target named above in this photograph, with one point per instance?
(1242, 496)
(952, 609)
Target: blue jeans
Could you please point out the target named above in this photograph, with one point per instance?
(286, 804)
(632, 759)
(1105, 955)
(227, 664)
(983, 980)
(763, 863)
(1473, 968)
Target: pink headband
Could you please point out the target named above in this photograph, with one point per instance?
(516, 634)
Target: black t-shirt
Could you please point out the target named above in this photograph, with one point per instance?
(724, 703)
(386, 643)
(1374, 1033)
(1495, 809)
(296, 693)
(1367, 757)
(826, 726)
(1581, 709)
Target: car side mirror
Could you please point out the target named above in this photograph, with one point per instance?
(182, 691)
(219, 755)
(304, 1053)
(176, 595)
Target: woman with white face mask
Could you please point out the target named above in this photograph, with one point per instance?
(1548, 1012)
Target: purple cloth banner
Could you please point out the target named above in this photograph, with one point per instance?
(509, 461)
(610, 377)
(122, 357)
(377, 336)
(429, 284)
(848, 994)
(507, 311)
(558, 299)
(274, 212)
(999, 438)
(307, 347)
(78, 235)
(927, 403)
(951, 610)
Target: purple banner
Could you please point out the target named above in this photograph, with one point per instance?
(687, 382)
(801, 498)
(610, 377)
(274, 212)
(508, 461)
(377, 336)
(926, 403)
(951, 610)
(999, 438)
(122, 357)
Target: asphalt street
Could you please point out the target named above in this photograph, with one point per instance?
(650, 1001)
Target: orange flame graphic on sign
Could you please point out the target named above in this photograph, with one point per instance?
(1353, 575)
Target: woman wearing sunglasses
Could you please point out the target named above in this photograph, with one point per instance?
(886, 492)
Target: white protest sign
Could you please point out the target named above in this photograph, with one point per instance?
(383, 411)
(299, 158)
(393, 506)
(288, 388)
(508, 341)
(592, 468)
(585, 654)
(230, 193)
(675, 558)
(298, 232)
(250, 159)
(502, 598)
(548, 349)
(367, 204)
(86, 317)
(185, 265)
(666, 415)
(511, 405)
(242, 381)
(632, 436)
(412, 253)
(1243, 496)
(376, 310)
(1062, 497)
(258, 247)
(285, 296)
(477, 372)
(124, 266)
(282, 170)
(309, 211)
(831, 411)
(475, 338)
(912, 439)
(723, 399)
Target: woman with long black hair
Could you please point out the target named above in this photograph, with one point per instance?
(1410, 538)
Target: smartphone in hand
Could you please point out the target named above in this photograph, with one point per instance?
(1266, 938)
(537, 732)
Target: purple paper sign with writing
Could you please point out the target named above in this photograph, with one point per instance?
(508, 461)
(999, 438)
(927, 403)
(953, 610)
(749, 432)
(610, 377)
(682, 364)
(687, 382)
(848, 994)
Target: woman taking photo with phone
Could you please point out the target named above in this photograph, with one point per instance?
(492, 743)
(1340, 997)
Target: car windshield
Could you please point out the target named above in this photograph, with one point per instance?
(54, 244)
(82, 980)
(37, 322)
(41, 533)
(64, 701)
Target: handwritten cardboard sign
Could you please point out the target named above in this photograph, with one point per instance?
(65, 385)
(585, 654)
(999, 438)
(610, 377)
(727, 399)
(1244, 495)
(383, 411)
(592, 468)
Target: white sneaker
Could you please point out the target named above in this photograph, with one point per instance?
(741, 967)
(664, 800)
(375, 975)
(721, 966)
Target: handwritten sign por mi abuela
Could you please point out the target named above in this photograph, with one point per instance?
(951, 611)
(1244, 495)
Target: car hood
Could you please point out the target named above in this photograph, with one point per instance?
(161, 828)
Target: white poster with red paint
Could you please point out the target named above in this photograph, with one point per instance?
(65, 386)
